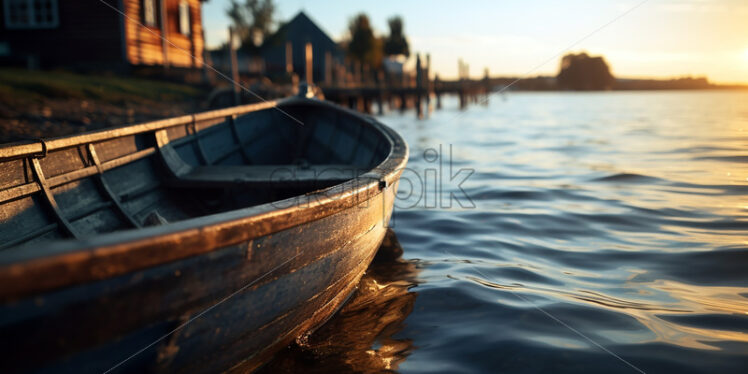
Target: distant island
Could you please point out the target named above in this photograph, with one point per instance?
(549, 83)
(582, 72)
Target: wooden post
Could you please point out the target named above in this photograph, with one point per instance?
(346, 70)
(328, 68)
(208, 75)
(339, 79)
(357, 72)
(164, 34)
(191, 37)
(437, 92)
(486, 85)
(419, 86)
(234, 68)
(289, 57)
(309, 65)
(427, 82)
(463, 82)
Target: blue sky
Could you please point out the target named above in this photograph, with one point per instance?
(661, 38)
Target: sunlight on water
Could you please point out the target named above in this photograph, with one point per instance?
(622, 215)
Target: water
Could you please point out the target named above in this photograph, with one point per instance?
(608, 233)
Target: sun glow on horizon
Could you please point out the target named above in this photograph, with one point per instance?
(660, 40)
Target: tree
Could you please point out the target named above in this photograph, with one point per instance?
(582, 72)
(253, 20)
(396, 43)
(363, 45)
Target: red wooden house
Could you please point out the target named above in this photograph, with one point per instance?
(96, 32)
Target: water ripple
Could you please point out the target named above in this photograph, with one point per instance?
(624, 215)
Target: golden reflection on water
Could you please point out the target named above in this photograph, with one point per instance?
(698, 300)
(360, 337)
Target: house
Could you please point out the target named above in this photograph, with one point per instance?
(102, 33)
(285, 49)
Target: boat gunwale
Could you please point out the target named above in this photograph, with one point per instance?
(42, 146)
(69, 262)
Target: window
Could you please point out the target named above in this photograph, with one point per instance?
(31, 14)
(149, 13)
(184, 18)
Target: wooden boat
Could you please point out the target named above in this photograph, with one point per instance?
(363, 336)
(194, 244)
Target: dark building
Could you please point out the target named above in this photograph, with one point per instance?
(295, 34)
(92, 33)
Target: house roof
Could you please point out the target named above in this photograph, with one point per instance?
(302, 29)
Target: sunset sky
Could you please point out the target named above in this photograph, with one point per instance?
(660, 38)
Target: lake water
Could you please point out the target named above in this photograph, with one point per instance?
(597, 232)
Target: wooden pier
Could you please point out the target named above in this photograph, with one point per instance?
(415, 92)
(368, 98)
(359, 87)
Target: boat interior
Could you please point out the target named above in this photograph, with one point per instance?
(190, 167)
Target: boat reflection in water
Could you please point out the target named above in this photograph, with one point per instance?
(360, 337)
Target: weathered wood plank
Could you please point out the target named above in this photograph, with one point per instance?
(107, 190)
(18, 191)
(29, 235)
(124, 160)
(16, 150)
(199, 150)
(235, 132)
(63, 222)
(287, 176)
(30, 188)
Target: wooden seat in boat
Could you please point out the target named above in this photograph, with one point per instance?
(288, 176)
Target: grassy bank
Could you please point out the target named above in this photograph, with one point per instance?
(54, 103)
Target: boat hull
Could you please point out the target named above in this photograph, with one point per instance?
(232, 307)
(215, 292)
